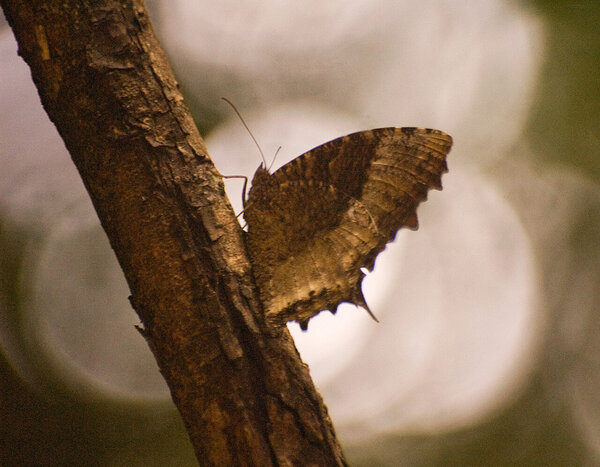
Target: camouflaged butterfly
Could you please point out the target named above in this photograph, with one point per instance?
(318, 220)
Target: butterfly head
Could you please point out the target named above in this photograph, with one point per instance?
(260, 183)
(261, 176)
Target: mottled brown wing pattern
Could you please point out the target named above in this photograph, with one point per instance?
(315, 222)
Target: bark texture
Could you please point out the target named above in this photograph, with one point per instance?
(244, 394)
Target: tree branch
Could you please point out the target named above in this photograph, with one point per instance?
(244, 394)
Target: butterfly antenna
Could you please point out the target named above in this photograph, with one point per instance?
(274, 157)
(247, 129)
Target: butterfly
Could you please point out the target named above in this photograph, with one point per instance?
(318, 221)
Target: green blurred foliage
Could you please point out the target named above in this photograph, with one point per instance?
(565, 121)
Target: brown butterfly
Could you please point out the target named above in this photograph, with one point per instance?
(318, 220)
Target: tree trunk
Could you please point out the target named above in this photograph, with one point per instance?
(244, 394)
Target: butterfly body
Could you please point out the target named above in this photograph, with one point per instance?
(315, 222)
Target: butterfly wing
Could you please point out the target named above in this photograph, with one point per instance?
(315, 222)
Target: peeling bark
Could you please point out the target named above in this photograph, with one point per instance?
(244, 394)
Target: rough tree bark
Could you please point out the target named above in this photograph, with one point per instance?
(244, 394)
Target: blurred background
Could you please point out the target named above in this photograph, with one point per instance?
(488, 346)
